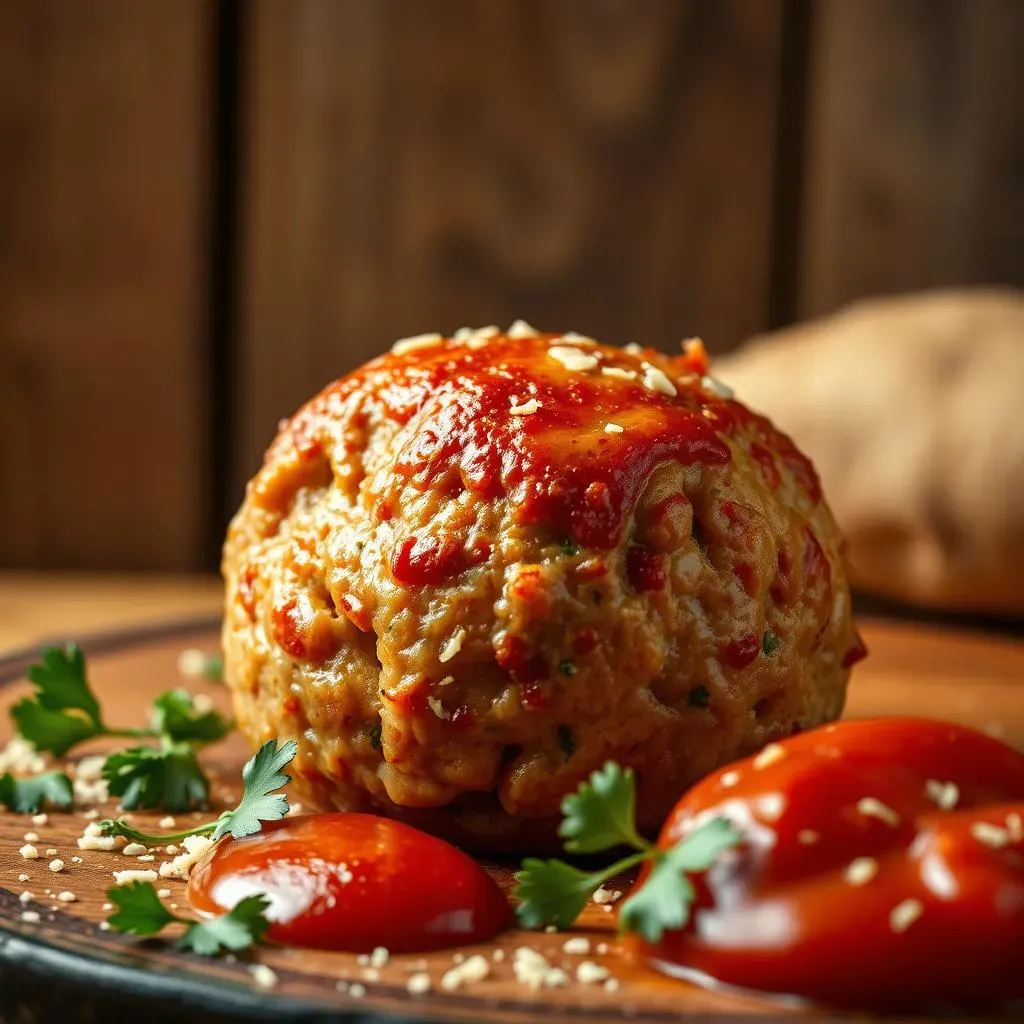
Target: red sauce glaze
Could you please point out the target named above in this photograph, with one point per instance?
(646, 569)
(766, 465)
(354, 882)
(292, 624)
(930, 916)
(558, 465)
(740, 653)
(427, 560)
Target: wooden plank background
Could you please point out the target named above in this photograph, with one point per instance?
(208, 210)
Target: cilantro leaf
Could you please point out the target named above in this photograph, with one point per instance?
(140, 912)
(239, 928)
(261, 775)
(168, 777)
(663, 902)
(553, 892)
(176, 716)
(28, 796)
(770, 643)
(63, 711)
(600, 814)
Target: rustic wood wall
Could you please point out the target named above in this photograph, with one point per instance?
(207, 210)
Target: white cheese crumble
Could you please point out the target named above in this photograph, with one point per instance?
(618, 372)
(716, 387)
(905, 914)
(418, 984)
(475, 969)
(263, 976)
(379, 957)
(613, 428)
(521, 329)
(527, 408)
(435, 705)
(452, 646)
(23, 877)
(134, 850)
(603, 895)
(356, 991)
(94, 839)
(26, 897)
(168, 822)
(133, 875)
(56, 865)
(533, 970)
(655, 379)
(589, 973)
(67, 897)
(192, 663)
(576, 946)
(164, 894)
(729, 779)
(415, 342)
(945, 795)
(51, 852)
(31, 837)
(990, 835)
(21, 758)
(772, 753)
(30, 917)
(861, 870)
(29, 852)
(195, 848)
(573, 359)
(40, 819)
(872, 808)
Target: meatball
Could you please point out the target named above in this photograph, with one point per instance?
(478, 567)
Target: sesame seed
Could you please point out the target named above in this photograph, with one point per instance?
(419, 984)
(452, 646)
(56, 865)
(990, 835)
(520, 329)
(716, 387)
(619, 372)
(29, 852)
(655, 379)
(729, 779)
(417, 341)
(589, 973)
(905, 914)
(807, 837)
(944, 795)
(572, 359)
(263, 976)
(861, 870)
(526, 408)
(872, 808)
(613, 428)
(40, 819)
(577, 946)
(67, 897)
(772, 753)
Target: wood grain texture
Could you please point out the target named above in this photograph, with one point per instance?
(102, 305)
(605, 167)
(915, 162)
(969, 678)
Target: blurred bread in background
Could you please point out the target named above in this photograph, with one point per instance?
(913, 411)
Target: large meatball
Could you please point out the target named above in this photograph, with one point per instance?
(476, 568)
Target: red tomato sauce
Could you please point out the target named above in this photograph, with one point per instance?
(354, 882)
(881, 869)
(557, 463)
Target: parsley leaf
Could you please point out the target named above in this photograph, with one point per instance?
(553, 892)
(168, 777)
(176, 716)
(261, 776)
(28, 796)
(770, 643)
(140, 912)
(700, 697)
(663, 902)
(63, 711)
(600, 814)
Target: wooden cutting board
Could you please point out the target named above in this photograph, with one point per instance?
(66, 968)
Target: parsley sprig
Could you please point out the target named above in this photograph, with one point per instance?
(262, 776)
(600, 816)
(64, 712)
(140, 912)
(29, 796)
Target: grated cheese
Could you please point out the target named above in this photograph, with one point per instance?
(990, 835)
(772, 753)
(872, 808)
(521, 329)
(452, 646)
(904, 915)
(133, 875)
(263, 976)
(618, 372)
(573, 359)
(589, 973)
(419, 984)
(861, 871)
(415, 342)
(945, 795)
(526, 408)
(655, 379)
(613, 428)
(475, 969)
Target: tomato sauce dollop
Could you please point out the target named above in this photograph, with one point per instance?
(354, 882)
(880, 869)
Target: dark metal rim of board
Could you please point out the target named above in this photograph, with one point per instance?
(54, 983)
